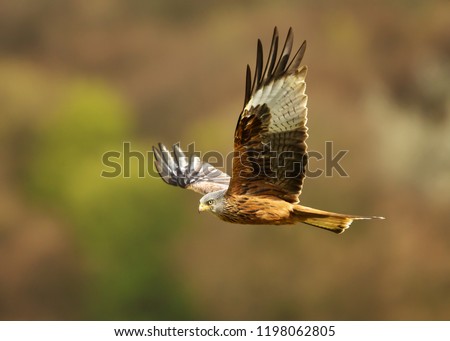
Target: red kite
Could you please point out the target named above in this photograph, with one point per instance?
(270, 153)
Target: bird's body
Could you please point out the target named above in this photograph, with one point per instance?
(269, 210)
(270, 153)
(260, 211)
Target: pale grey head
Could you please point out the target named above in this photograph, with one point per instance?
(214, 202)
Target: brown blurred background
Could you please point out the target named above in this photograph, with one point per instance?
(78, 78)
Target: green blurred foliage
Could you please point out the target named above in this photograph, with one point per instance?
(86, 122)
(121, 239)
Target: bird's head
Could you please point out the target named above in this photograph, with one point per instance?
(214, 202)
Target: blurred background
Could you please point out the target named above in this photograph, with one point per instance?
(79, 78)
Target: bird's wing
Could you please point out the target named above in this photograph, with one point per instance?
(190, 173)
(269, 143)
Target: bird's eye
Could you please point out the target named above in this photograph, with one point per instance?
(210, 202)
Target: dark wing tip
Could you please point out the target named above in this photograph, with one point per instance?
(172, 169)
(280, 69)
(258, 69)
(297, 59)
(275, 66)
(179, 170)
(162, 164)
(248, 84)
(272, 54)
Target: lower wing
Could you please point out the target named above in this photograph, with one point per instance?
(191, 173)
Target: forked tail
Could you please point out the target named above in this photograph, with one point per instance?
(331, 221)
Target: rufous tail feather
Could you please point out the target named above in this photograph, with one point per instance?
(331, 221)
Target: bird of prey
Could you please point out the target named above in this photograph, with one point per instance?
(270, 153)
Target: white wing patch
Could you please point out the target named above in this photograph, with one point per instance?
(286, 100)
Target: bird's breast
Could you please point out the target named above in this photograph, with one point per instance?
(256, 210)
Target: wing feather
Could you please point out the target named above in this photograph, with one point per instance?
(190, 173)
(272, 54)
(285, 54)
(269, 144)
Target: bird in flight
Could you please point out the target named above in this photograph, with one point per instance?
(270, 153)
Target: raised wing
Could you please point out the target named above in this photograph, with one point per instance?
(269, 143)
(190, 173)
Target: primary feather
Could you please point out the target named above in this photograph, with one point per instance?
(187, 173)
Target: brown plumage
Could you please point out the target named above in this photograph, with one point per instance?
(270, 153)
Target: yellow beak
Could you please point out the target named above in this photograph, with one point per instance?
(203, 208)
